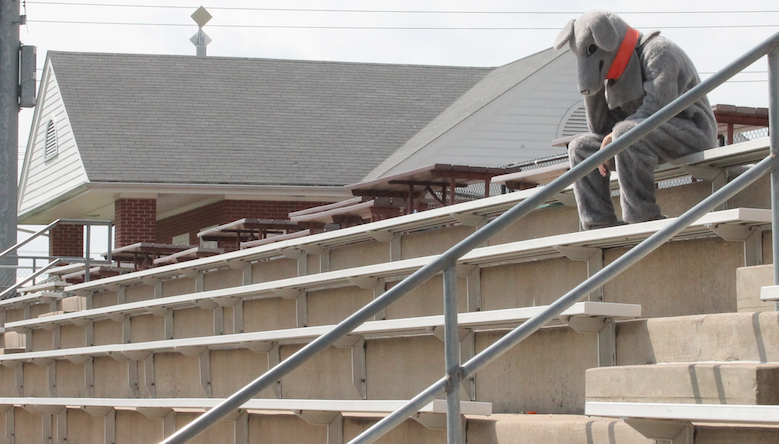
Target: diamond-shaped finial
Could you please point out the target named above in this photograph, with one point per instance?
(201, 16)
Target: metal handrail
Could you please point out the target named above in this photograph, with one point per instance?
(11, 290)
(448, 259)
(86, 259)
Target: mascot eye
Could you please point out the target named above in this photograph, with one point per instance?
(591, 49)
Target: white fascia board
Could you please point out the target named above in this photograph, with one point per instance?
(267, 192)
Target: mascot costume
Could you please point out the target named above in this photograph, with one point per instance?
(626, 76)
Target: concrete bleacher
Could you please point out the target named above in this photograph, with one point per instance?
(133, 357)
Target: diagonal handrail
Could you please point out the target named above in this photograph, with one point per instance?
(449, 258)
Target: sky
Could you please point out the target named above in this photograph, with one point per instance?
(432, 32)
(462, 33)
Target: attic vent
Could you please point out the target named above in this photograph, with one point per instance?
(51, 140)
(574, 122)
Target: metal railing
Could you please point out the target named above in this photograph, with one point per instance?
(446, 264)
(51, 261)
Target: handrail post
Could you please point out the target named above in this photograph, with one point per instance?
(87, 253)
(452, 357)
(773, 132)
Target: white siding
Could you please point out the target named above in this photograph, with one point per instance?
(43, 180)
(519, 125)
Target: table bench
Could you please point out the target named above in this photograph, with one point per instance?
(142, 254)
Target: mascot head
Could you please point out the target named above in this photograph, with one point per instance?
(600, 41)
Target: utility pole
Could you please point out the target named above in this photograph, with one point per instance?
(9, 132)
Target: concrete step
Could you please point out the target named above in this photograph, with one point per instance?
(722, 337)
(579, 429)
(699, 383)
(152, 425)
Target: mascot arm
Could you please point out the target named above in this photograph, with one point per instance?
(667, 73)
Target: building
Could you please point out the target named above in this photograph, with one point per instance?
(166, 146)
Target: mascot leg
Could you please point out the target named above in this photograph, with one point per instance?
(636, 165)
(593, 196)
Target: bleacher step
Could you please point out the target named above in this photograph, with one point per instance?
(719, 337)
(691, 383)
(582, 429)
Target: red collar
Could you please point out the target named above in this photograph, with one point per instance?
(623, 55)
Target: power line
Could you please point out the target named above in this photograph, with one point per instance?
(385, 28)
(228, 8)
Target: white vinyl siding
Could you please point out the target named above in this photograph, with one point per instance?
(45, 174)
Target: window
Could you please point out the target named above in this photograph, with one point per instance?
(52, 145)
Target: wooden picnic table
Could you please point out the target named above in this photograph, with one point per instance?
(142, 254)
(248, 229)
(350, 212)
(415, 185)
(188, 255)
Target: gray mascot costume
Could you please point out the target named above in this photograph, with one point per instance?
(626, 76)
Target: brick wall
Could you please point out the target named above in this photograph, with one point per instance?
(224, 212)
(66, 240)
(135, 221)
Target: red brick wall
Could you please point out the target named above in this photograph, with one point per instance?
(135, 221)
(224, 212)
(66, 240)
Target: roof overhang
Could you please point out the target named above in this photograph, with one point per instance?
(96, 200)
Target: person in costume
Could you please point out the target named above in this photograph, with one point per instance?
(625, 76)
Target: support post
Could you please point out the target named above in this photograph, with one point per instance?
(62, 426)
(605, 329)
(242, 427)
(452, 357)
(10, 432)
(9, 134)
(359, 372)
(773, 129)
(89, 375)
(149, 373)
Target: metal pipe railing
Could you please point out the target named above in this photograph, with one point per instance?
(12, 289)
(87, 259)
(452, 357)
(773, 134)
(449, 258)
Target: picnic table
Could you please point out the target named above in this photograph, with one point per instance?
(248, 229)
(188, 255)
(350, 212)
(143, 254)
(415, 185)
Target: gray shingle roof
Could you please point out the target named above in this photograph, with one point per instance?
(492, 86)
(181, 119)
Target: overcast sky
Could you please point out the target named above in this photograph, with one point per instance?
(465, 33)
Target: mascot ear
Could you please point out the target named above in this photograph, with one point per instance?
(565, 35)
(604, 32)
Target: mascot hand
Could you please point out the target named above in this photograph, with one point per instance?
(604, 169)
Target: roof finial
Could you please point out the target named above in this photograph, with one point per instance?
(200, 40)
